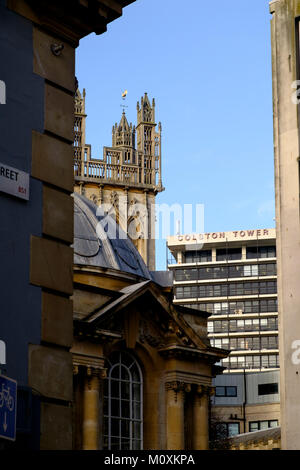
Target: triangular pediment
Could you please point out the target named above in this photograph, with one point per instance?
(147, 315)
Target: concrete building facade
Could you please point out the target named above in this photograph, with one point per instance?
(232, 275)
(246, 402)
(286, 75)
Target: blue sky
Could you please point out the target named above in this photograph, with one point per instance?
(208, 65)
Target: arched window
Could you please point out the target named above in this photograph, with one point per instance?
(123, 404)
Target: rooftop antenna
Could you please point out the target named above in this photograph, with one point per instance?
(178, 227)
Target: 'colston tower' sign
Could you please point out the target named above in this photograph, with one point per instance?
(224, 236)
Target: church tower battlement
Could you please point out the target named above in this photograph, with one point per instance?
(128, 176)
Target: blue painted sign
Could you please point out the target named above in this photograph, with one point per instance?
(8, 408)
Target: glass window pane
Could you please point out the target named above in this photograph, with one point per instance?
(115, 444)
(136, 392)
(115, 372)
(136, 445)
(136, 430)
(264, 425)
(115, 388)
(125, 444)
(253, 426)
(125, 390)
(231, 391)
(125, 428)
(115, 407)
(125, 408)
(136, 410)
(115, 427)
(233, 429)
(220, 391)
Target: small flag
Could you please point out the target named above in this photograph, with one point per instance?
(124, 94)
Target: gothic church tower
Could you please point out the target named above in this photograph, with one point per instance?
(127, 179)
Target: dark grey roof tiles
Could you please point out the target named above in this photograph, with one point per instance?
(103, 244)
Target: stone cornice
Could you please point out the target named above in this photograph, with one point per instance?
(91, 363)
(181, 352)
(178, 386)
(70, 20)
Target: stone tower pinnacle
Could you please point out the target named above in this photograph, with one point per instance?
(128, 177)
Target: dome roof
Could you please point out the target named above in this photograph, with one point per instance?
(104, 244)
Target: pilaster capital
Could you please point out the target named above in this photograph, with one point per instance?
(204, 390)
(95, 372)
(177, 386)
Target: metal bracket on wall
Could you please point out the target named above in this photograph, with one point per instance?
(56, 49)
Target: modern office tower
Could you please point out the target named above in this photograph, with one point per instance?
(285, 32)
(232, 275)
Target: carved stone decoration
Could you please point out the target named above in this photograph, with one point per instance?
(81, 189)
(94, 198)
(100, 194)
(150, 334)
(114, 199)
(178, 387)
(205, 390)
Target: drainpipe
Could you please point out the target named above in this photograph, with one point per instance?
(245, 401)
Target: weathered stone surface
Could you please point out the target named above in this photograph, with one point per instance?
(58, 212)
(50, 372)
(57, 319)
(51, 265)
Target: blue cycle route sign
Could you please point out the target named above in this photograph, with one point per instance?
(8, 408)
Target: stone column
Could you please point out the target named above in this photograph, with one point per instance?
(175, 415)
(91, 410)
(200, 412)
(100, 199)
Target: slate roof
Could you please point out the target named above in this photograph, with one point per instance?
(103, 244)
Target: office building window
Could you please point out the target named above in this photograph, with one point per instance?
(224, 430)
(229, 254)
(226, 391)
(201, 256)
(267, 389)
(254, 252)
(240, 307)
(224, 326)
(186, 274)
(252, 362)
(260, 425)
(225, 272)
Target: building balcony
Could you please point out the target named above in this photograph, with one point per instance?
(224, 280)
(129, 175)
(172, 262)
(242, 333)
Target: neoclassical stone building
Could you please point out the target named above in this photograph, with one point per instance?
(143, 367)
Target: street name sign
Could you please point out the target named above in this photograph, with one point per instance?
(14, 181)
